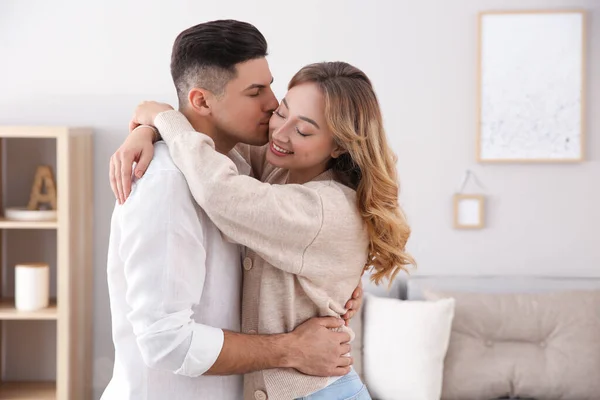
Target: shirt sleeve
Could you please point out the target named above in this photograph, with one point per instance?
(164, 258)
(278, 222)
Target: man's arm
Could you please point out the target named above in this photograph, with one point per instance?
(312, 348)
(164, 260)
(162, 247)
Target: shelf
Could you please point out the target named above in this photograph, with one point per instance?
(10, 224)
(27, 391)
(59, 339)
(9, 312)
(32, 132)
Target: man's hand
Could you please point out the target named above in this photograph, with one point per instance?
(317, 350)
(354, 304)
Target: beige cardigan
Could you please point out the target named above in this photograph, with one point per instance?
(307, 244)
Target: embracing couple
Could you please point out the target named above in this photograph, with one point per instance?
(243, 226)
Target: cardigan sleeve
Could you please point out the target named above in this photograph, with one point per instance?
(278, 222)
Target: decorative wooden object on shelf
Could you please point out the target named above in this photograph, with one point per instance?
(43, 180)
(71, 265)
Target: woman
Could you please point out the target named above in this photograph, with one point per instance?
(326, 209)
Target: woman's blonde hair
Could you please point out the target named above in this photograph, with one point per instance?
(368, 164)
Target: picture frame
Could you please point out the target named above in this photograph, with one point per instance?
(469, 211)
(531, 86)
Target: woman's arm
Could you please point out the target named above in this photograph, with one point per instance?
(255, 156)
(279, 222)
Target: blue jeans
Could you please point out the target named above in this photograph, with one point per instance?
(348, 387)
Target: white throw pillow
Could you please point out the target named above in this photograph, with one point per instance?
(405, 343)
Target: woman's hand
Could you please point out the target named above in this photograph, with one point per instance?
(137, 148)
(146, 112)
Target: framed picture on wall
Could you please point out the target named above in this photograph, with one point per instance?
(469, 211)
(531, 79)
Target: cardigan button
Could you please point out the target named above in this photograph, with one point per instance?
(260, 395)
(247, 263)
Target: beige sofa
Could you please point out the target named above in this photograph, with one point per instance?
(511, 337)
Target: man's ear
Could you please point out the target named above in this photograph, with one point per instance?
(199, 100)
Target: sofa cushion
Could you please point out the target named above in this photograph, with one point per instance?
(405, 343)
(396, 290)
(542, 345)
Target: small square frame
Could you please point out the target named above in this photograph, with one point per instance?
(469, 211)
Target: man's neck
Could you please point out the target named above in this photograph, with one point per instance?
(223, 144)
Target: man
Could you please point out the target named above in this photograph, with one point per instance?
(174, 282)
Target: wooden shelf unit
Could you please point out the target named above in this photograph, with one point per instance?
(8, 224)
(28, 391)
(8, 312)
(72, 308)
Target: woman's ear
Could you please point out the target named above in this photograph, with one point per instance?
(337, 151)
(199, 101)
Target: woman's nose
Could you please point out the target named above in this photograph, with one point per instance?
(281, 132)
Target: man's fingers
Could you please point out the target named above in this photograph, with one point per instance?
(343, 337)
(357, 293)
(345, 349)
(330, 322)
(341, 371)
(349, 315)
(345, 361)
(349, 305)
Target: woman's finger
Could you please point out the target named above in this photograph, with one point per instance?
(112, 177)
(117, 160)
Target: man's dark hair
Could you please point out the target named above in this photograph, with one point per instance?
(205, 55)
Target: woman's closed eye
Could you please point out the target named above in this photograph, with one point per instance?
(300, 133)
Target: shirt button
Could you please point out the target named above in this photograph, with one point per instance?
(489, 343)
(247, 263)
(260, 395)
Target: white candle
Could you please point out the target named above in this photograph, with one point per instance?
(32, 286)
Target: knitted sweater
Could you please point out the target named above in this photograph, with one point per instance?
(307, 244)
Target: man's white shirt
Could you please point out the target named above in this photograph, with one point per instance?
(174, 284)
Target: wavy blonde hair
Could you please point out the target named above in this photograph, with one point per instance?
(368, 164)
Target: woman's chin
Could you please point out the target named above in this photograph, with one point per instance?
(275, 160)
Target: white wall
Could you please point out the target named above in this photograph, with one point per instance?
(90, 63)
